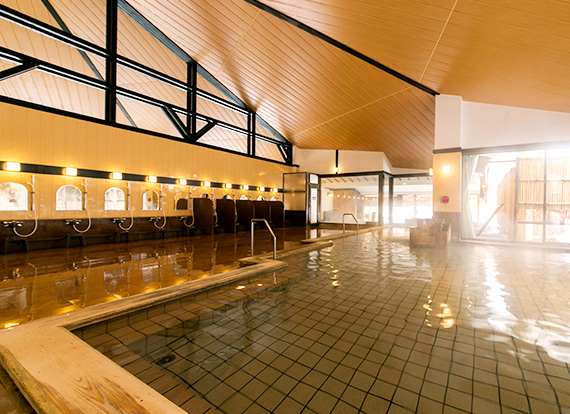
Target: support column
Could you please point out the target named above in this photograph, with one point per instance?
(111, 62)
(192, 99)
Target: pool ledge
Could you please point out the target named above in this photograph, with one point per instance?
(58, 373)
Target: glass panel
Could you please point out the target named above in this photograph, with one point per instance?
(115, 199)
(150, 200)
(413, 199)
(243, 197)
(491, 196)
(558, 234)
(68, 197)
(529, 232)
(295, 187)
(349, 194)
(13, 197)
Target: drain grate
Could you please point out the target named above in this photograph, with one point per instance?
(166, 359)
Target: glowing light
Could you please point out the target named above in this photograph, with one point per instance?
(206, 184)
(446, 169)
(261, 188)
(245, 187)
(12, 166)
(336, 170)
(228, 186)
(430, 172)
(275, 190)
(117, 176)
(260, 284)
(8, 325)
(240, 287)
(182, 181)
(335, 283)
(151, 179)
(70, 171)
(330, 195)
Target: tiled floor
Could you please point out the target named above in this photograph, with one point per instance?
(368, 325)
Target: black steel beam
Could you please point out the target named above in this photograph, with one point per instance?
(47, 30)
(136, 16)
(341, 46)
(111, 61)
(17, 70)
(176, 121)
(282, 152)
(205, 129)
(191, 99)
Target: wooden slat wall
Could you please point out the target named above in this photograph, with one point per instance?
(313, 93)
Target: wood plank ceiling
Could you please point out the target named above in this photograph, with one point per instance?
(509, 52)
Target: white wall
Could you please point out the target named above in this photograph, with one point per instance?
(323, 161)
(485, 125)
(448, 120)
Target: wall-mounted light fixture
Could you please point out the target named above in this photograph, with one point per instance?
(70, 171)
(446, 169)
(151, 178)
(182, 181)
(12, 166)
(206, 184)
(430, 172)
(261, 188)
(228, 186)
(274, 190)
(245, 187)
(117, 176)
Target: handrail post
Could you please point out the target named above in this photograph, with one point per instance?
(270, 230)
(344, 224)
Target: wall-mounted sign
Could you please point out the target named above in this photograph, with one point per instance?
(445, 199)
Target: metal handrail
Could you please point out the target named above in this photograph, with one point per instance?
(343, 223)
(253, 221)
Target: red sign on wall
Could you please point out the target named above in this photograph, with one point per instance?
(445, 199)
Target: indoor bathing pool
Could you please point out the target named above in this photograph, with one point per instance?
(51, 282)
(366, 325)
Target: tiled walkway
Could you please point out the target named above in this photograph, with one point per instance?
(368, 325)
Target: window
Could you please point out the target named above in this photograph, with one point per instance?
(244, 197)
(68, 197)
(13, 197)
(150, 200)
(115, 199)
(205, 195)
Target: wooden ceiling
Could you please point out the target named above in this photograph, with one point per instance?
(509, 52)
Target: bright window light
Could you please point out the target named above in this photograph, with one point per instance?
(70, 171)
(12, 166)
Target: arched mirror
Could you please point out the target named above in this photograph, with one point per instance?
(273, 199)
(180, 201)
(13, 197)
(205, 195)
(260, 198)
(68, 198)
(150, 200)
(227, 197)
(244, 197)
(115, 199)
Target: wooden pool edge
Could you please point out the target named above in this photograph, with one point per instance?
(58, 373)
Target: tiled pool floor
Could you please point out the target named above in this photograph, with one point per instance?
(368, 325)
